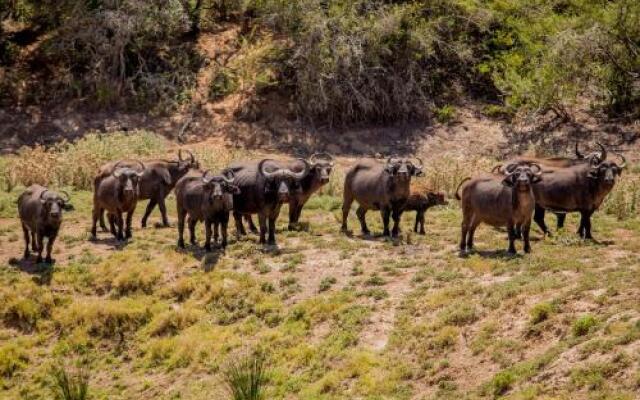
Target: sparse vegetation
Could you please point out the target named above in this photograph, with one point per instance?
(71, 386)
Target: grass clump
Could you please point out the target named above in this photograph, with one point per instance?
(502, 382)
(246, 377)
(540, 312)
(70, 386)
(326, 283)
(13, 357)
(584, 325)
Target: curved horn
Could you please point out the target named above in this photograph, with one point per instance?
(43, 192)
(498, 168)
(603, 152)
(66, 195)
(142, 167)
(303, 173)
(228, 175)
(393, 157)
(421, 163)
(264, 173)
(537, 166)
(115, 169)
(180, 155)
(204, 176)
(323, 155)
(193, 159)
(579, 155)
(624, 160)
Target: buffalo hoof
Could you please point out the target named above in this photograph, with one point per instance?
(527, 250)
(207, 248)
(26, 255)
(39, 259)
(49, 260)
(512, 252)
(181, 244)
(422, 232)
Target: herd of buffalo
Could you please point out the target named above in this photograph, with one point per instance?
(510, 196)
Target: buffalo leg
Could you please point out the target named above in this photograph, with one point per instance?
(39, 238)
(346, 207)
(526, 228)
(395, 214)
(50, 242)
(512, 238)
(163, 212)
(252, 226)
(262, 221)
(239, 226)
(192, 230)
(120, 222)
(216, 231)
(128, 225)
(103, 226)
(272, 229)
(538, 217)
(147, 212)
(27, 238)
(585, 225)
(95, 215)
(181, 216)
(207, 230)
(361, 212)
(386, 215)
(224, 223)
(420, 221)
(472, 231)
(464, 229)
(517, 230)
(560, 221)
(293, 209)
(112, 225)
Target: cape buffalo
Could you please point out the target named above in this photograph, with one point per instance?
(263, 191)
(420, 203)
(118, 194)
(156, 182)
(499, 201)
(207, 198)
(320, 168)
(377, 186)
(581, 188)
(40, 213)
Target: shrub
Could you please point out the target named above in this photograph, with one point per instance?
(584, 325)
(502, 382)
(245, 377)
(23, 305)
(12, 358)
(71, 386)
(75, 164)
(540, 312)
(326, 283)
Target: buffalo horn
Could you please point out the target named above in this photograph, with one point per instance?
(267, 174)
(301, 174)
(538, 171)
(228, 175)
(66, 195)
(624, 160)
(578, 154)
(498, 168)
(603, 152)
(204, 176)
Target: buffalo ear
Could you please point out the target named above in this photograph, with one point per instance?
(593, 173)
(418, 172)
(508, 181)
(536, 179)
(234, 189)
(389, 168)
(68, 207)
(619, 171)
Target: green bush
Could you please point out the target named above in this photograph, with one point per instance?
(71, 386)
(245, 377)
(540, 312)
(584, 325)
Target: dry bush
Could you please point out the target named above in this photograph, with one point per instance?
(75, 164)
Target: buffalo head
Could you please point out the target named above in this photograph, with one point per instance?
(53, 204)
(522, 176)
(606, 171)
(283, 180)
(185, 164)
(436, 199)
(220, 184)
(321, 164)
(128, 177)
(403, 168)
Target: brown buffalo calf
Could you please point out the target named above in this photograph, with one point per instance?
(420, 203)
